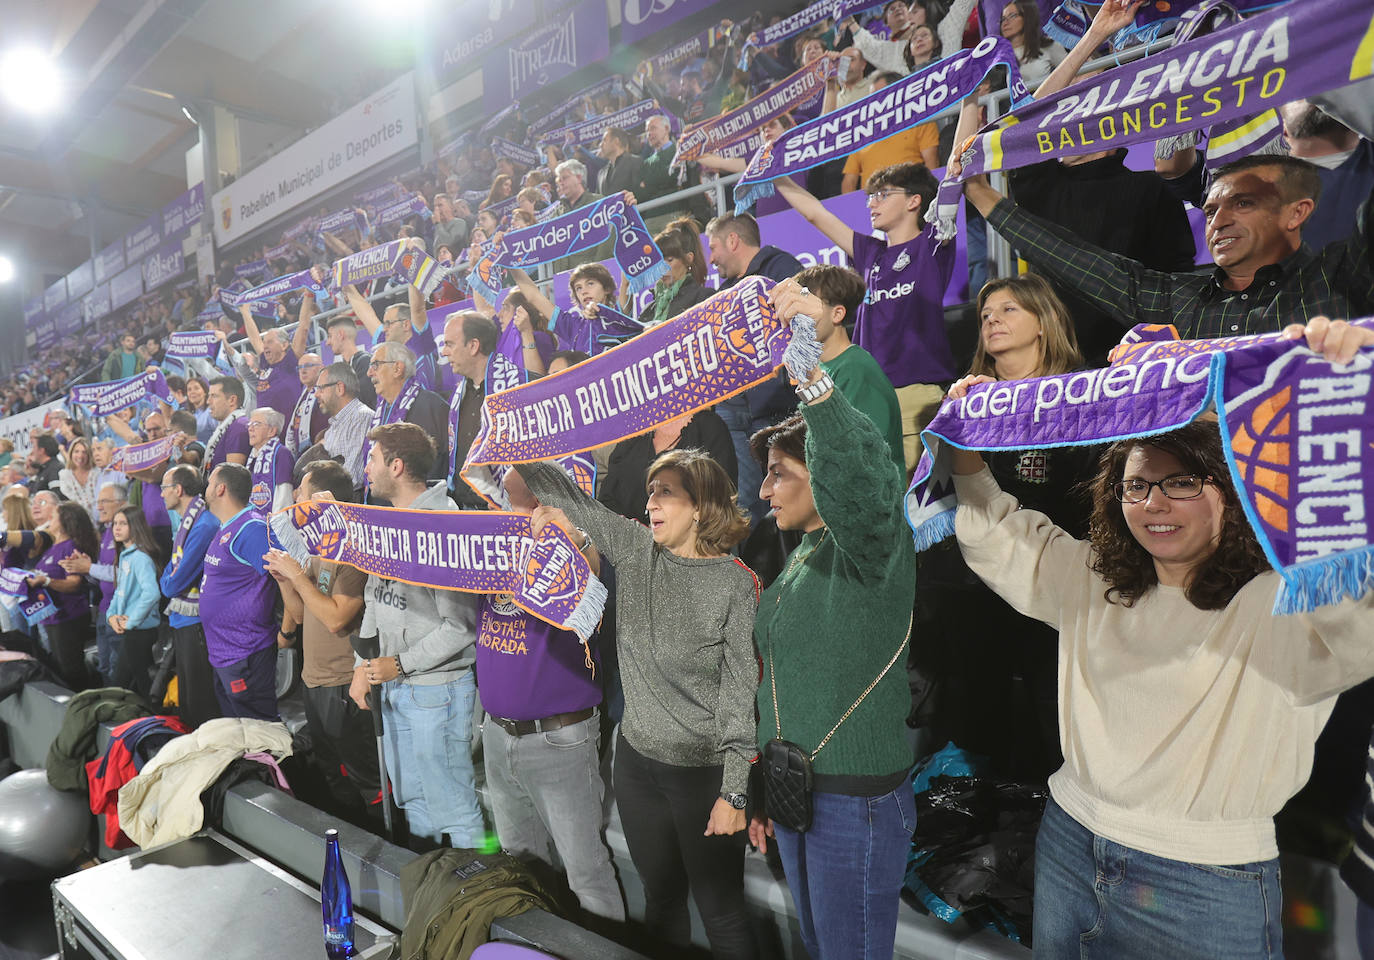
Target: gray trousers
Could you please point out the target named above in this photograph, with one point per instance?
(546, 791)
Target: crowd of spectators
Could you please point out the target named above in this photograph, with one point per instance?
(367, 404)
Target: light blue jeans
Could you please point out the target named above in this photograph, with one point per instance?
(735, 413)
(1095, 900)
(846, 872)
(546, 793)
(428, 738)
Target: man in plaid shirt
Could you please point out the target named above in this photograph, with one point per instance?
(1264, 279)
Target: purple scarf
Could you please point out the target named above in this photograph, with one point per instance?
(588, 132)
(418, 268)
(900, 106)
(801, 89)
(696, 46)
(1296, 431)
(805, 19)
(112, 396)
(515, 152)
(253, 268)
(343, 220)
(557, 117)
(141, 456)
(705, 354)
(275, 288)
(412, 206)
(475, 552)
(581, 229)
(609, 328)
(195, 344)
(1261, 62)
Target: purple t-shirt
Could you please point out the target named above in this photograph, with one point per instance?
(154, 507)
(69, 605)
(279, 384)
(107, 556)
(528, 669)
(234, 440)
(237, 597)
(269, 471)
(902, 319)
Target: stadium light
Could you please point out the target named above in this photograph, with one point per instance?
(29, 80)
(6, 269)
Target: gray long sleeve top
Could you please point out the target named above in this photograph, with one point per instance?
(685, 638)
(432, 630)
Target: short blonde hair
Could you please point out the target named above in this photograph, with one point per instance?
(720, 522)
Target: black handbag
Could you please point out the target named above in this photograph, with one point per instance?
(787, 775)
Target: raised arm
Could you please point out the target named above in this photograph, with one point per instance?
(816, 214)
(300, 341)
(250, 327)
(362, 310)
(1112, 16)
(531, 290)
(615, 536)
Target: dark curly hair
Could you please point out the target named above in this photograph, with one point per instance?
(1128, 568)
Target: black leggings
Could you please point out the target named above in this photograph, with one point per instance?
(67, 640)
(134, 664)
(664, 810)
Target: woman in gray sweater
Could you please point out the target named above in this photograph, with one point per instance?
(684, 619)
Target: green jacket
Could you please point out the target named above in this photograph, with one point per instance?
(76, 741)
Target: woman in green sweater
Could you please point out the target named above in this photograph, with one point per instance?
(831, 631)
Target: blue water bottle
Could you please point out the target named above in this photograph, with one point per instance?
(336, 899)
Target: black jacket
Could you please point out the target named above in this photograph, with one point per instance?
(623, 490)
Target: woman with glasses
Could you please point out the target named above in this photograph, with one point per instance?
(1188, 709)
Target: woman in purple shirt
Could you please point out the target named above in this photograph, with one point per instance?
(67, 626)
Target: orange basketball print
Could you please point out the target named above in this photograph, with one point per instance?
(1263, 449)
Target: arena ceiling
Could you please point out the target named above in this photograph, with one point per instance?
(116, 150)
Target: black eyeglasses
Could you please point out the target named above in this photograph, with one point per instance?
(1185, 486)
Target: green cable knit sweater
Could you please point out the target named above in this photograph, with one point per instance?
(833, 620)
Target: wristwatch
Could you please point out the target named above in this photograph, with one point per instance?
(812, 392)
(737, 800)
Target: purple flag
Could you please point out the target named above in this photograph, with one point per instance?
(476, 552)
(1295, 429)
(635, 251)
(195, 344)
(1261, 62)
(913, 100)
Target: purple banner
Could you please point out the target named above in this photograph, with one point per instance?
(55, 295)
(143, 239)
(643, 18)
(126, 286)
(397, 257)
(913, 100)
(71, 318)
(45, 332)
(33, 312)
(97, 303)
(179, 216)
(570, 40)
(109, 262)
(707, 353)
(1296, 430)
(142, 456)
(630, 119)
(459, 35)
(114, 395)
(475, 552)
(194, 344)
(1264, 61)
(80, 281)
(164, 264)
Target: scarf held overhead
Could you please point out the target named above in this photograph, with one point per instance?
(705, 354)
(397, 257)
(630, 119)
(911, 101)
(141, 456)
(1269, 59)
(581, 229)
(800, 90)
(475, 552)
(1296, 429)
(112, 396)
(194, 344)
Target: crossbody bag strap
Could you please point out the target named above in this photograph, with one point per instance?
(777, 717)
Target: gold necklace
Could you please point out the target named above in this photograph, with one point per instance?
(785, 580)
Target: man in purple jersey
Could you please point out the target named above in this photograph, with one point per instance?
(278, 378)
(229, 442)
(902, 319)
(237, 600)
(539, 687)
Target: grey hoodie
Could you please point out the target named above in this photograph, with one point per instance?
(432, 630)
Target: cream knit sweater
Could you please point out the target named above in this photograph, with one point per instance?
(1183, 730)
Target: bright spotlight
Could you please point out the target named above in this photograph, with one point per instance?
(6, 269)
(29, 80)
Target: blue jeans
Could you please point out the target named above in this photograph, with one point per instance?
(735, 413)
(428, 743)
(846, 872)
(1098, 899)
(546, 794)
(107, 649)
